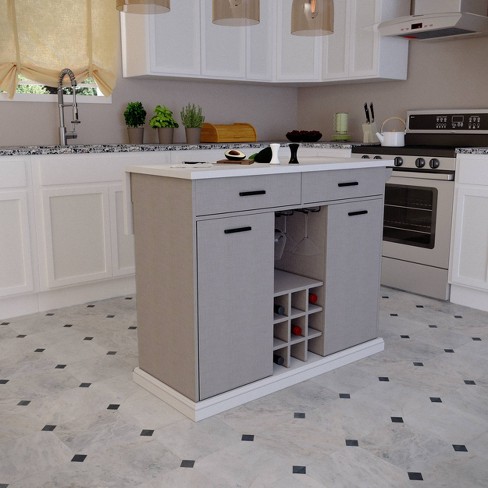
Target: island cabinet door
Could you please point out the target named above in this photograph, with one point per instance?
(235, 296)
(354, 233)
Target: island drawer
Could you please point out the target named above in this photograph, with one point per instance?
(222, 195)
(337, 185)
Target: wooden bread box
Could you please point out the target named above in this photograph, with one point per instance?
(237, 132)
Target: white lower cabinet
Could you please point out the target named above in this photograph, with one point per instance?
(76, 235)
(16, 222)
(468, 273)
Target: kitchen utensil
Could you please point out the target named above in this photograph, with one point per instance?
(280, 242)
(366, 111)
(372, 111)
(393, 138)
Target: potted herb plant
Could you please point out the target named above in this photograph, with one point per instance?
(135, 118)
(164, 121)
(192, 118)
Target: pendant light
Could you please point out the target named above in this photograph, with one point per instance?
(235, 12)
(143, 6)
(312, 17)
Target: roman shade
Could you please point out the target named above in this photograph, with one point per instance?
(40, 38)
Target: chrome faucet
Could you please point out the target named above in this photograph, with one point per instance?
(63, 133)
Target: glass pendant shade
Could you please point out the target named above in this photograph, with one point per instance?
(312, 17)
(143, 6)
(235, 12)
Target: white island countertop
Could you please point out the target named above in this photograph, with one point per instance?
(201, 171)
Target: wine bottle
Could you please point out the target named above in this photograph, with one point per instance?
(278, 359)
(296, 330)
(279, 309)
(312, 298)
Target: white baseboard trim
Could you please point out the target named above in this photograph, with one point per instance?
(469, 297)
(283, 379)
(66, 296)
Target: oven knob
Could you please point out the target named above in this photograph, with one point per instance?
(434, 163)
(420, 162)
(377, 157)
(365, 156)
(398, 161)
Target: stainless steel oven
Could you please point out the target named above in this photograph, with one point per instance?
(419, 197)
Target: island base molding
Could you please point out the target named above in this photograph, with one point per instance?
(220, 403)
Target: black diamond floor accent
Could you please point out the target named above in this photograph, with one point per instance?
(418, 363)
(459, 448)
(433, 326)
(476, 338)
(247, 437)
(88, 338)
(3, 382)
(50, 314)
(39, 350)
(299, 415)
(385, 296)
(49, 428)
(90, 306)
(5, 323)
(397, 420)
(352, 443)
(128, 298)
(393, 315)
(78, 458)
(113, 406)
(187, 463)
(404, 336)
(111, 353)
(458, 316)
(3, 485)
(469, 382)
(435, 400)
(23, 403)
(68, 325)
(383, 378)
(448, 350)
(132, 327)
(110, 316)
(415, 476)
(60, 366)
(299, 470)
(21, 336)
(84, 385)
(147, 433)
(344, 395)
(419, 306)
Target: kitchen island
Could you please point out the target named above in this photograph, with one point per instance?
(219, 247)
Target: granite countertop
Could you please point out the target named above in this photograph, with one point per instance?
(118, 148)
(472, 150)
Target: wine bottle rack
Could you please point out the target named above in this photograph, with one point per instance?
(291, 292)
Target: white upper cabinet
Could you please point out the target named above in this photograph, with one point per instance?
(185, 43)
(356, 51)
(298, 57)
(162, 45)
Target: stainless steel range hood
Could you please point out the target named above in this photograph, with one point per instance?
(440, 19)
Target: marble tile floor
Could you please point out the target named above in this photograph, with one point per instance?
(413, 415)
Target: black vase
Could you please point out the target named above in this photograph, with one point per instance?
(293, 150)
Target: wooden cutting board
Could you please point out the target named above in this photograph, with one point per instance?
(242, 161)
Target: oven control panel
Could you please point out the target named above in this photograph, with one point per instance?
(448, 121)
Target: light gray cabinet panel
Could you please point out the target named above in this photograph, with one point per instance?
(354, 233)
(235, 296)
(216, 196)
(338, 185)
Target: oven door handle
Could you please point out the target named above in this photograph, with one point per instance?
(424, 175)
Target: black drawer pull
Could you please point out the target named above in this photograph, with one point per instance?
(358, 212)
(250, 193)
(349, 183)
(237, 229)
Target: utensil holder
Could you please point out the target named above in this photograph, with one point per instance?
(369, 133)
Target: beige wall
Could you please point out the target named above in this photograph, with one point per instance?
(271, 110)
(442, 74)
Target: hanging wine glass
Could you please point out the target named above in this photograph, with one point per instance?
(306, 247)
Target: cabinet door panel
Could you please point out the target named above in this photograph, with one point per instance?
(122, 244)
(335, 61)
(223, 48)
(354, 233)
(77, 235)
(470, 245)
(15, 246)
(235, 296)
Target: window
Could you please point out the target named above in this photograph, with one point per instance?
(39, 39)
